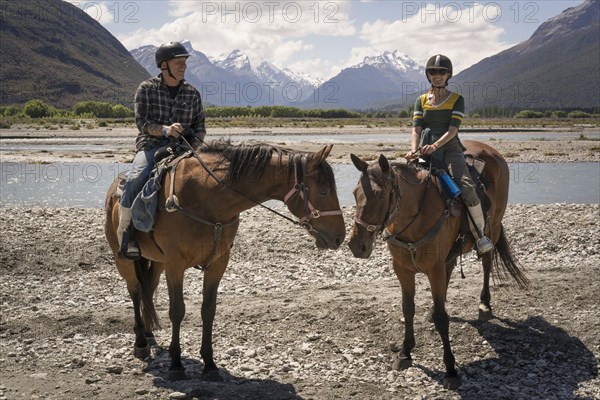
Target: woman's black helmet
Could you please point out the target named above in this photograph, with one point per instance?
(168, 51)
(437, 62)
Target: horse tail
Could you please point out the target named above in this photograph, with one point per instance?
(144, 270)
(504, 256)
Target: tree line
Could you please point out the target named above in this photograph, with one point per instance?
(97, 109)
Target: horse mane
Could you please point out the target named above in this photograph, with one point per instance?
(243, 159)
(413, 169)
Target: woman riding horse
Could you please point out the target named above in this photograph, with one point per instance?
(436, 120)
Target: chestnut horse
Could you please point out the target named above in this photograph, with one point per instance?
(211, 190)
(406, 202)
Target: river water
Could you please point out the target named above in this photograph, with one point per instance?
(81, 184)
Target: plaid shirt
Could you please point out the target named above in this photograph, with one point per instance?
(153, 105)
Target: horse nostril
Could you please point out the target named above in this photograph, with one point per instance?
(363, 248)
(338, 241)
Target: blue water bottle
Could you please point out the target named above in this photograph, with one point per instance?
(448, 184)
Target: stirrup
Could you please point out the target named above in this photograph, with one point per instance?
(129, 249)
(484, 245)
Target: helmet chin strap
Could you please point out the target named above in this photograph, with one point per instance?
(168, 69)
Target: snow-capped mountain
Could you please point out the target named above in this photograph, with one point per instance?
(234, 81)
(372, 83)
(283, 86)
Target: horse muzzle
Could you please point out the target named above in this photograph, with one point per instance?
(360, 248)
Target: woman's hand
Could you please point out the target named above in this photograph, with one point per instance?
(429, 148)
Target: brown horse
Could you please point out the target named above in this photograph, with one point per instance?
(211, 190)
(407, 203)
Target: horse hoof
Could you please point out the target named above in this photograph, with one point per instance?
(177, 375)
(402, 363)
(452, 383)
(485, 313)
(141, 352)
(151, 340)
(212, 375)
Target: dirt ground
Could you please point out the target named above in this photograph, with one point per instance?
(297, 323)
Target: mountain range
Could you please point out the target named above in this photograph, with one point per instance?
(53, 51)
(232, 80)
(557, 67)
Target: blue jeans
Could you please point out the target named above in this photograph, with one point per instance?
(138, 175)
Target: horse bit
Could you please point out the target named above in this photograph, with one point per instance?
(301, 189)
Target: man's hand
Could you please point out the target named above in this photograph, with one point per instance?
(175, 130)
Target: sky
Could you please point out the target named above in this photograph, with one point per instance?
(320, 38)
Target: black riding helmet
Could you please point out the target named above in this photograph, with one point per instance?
(168, 51)
(439, 61)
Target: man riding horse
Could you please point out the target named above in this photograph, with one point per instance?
(166, 106)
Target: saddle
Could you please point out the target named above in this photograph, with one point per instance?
(456, 206)
(145, 205)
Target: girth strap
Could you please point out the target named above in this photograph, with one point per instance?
(172, 205)
(412, 247)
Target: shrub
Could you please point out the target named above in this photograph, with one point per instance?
(579, 114)
(11, 111)
(529, 114)
(402, 114)
(38, 109)
(120, 111)
(99, 109)
(559, 114)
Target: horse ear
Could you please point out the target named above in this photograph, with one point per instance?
(384, 164)
(316, 158)
(358, 163)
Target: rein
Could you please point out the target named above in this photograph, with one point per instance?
(392, 237)
(299, 187)
(413, 246)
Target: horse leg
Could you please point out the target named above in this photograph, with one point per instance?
(407, 283)
(176, 314)
(157, 270)
(141, 349)
(485, 308)
(442, 324)
(212, 278)
(450, 265)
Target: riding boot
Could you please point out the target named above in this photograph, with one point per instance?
(477, 225)
(127, 248)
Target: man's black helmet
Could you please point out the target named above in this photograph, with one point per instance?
(168, 51)
(439, 61)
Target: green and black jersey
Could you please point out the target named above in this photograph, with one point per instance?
(449, 113)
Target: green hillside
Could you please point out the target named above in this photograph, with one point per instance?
(53, 51)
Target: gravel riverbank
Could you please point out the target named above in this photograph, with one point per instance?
(297, 323)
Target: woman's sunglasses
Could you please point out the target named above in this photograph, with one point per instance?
(437, 71)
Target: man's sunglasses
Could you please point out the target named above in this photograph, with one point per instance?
(437, 71)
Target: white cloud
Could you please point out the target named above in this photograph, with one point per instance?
(274, 30)
(466, 35)
(97, 10)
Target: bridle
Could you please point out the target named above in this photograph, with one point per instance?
(301, 189)
(395, 195)
(392, 237)
(300, 161)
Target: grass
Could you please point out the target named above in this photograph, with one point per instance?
(370, 123)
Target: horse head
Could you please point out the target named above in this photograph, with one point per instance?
(376, 194)
(316, 202)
